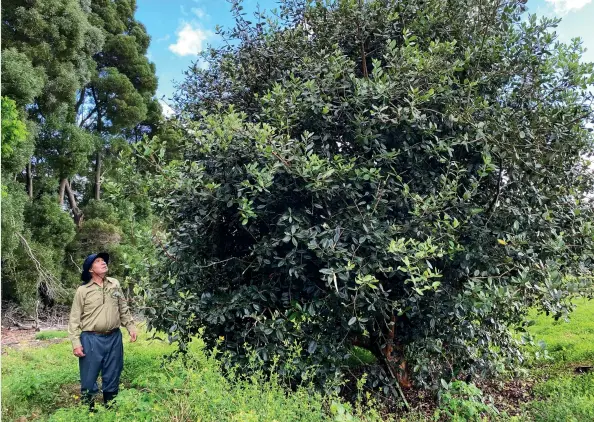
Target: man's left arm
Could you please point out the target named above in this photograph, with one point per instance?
(126, 316)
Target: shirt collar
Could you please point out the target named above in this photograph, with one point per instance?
(91, 282)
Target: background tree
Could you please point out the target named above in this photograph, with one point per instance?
(121, 91)
(410, 177)
(78, 75)
(17, 145)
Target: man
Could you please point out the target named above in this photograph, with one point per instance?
(98, 310)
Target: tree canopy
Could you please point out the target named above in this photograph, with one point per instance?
(409, 177)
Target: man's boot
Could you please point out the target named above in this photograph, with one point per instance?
(108, 398)
(89, 399)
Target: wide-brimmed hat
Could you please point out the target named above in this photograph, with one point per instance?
(86, 275)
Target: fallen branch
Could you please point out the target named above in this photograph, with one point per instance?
(54, 288)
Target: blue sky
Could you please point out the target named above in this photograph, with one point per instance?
(181, 29)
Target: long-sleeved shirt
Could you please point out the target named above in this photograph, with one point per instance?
(99, 308)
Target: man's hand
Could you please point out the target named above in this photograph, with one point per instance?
(78, 352)
(132, 337)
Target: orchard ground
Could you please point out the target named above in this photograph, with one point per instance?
(40, 382)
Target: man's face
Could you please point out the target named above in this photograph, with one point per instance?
(99, 267)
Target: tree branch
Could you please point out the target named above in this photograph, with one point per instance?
(61, 192)
(171, 257)
(491, 208)
(78, 215)
(81, 100)
(86, 118)
(29, 180)
(53, 284)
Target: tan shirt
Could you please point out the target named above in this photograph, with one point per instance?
(97, 308)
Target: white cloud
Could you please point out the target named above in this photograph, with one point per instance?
(166, 109)
(165, 38)
(198, 12)
(565, 6)
(190, 40)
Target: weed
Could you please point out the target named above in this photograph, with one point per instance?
(462, 402)
(44, 383)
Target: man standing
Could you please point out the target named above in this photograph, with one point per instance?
(98, 310)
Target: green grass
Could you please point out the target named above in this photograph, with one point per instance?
(50, 334)
(565, 396)
(38, 380)
(42, 384)
(361, 356)
(567, 341)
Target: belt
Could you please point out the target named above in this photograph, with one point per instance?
(103, 333)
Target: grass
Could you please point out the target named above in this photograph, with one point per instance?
(42, 384)
(565, 395)
(51, 334)
(569, 341)
(36, 381)
(565, 398)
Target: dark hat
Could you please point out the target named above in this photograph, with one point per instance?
(86, 275)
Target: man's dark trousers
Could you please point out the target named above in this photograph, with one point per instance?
(103, 353)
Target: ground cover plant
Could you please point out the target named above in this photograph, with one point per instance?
(49, 334)
(41, 383)
(566, 370)
(40, 379)
(566, 341)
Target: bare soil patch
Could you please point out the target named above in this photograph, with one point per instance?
(19, 328)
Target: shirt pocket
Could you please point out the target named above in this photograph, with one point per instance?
(112, 296)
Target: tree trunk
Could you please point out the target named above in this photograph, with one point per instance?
(98, 176)
(62, 190)
(29, 181)
(78, 215)
(98, 157)
(385, 348)
(81, 100)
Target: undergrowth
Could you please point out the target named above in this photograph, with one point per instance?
(43, 384)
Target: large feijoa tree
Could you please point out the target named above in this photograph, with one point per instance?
(410, 177)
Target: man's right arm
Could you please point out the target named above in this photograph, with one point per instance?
(74, 328)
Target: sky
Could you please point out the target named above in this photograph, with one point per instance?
(180, 29)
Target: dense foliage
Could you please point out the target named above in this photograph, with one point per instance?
(409, 177)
